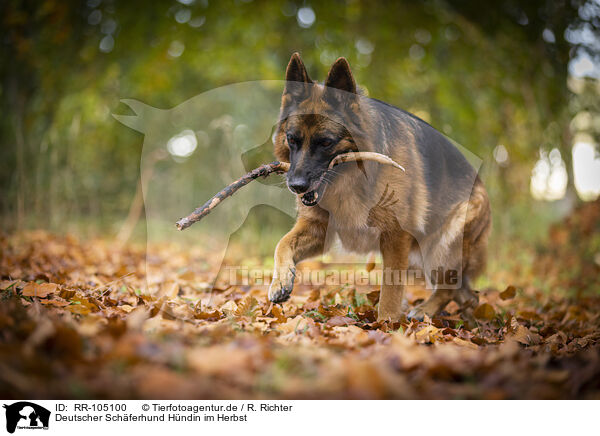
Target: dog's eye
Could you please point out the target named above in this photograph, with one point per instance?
(325, 142)
(292, 140)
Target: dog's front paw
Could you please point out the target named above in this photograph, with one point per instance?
(281, 286)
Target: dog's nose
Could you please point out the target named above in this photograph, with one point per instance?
(298, 185)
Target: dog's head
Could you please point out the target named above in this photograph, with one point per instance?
(314, 126)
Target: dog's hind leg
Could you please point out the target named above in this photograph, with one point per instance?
(434, 304)
(467, 301)
(465, 297)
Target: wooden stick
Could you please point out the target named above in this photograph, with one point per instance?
(362, 156)
(268, 169)
(262, 171)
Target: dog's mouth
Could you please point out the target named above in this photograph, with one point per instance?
(312, 197)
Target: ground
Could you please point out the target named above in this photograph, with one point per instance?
(89, 319)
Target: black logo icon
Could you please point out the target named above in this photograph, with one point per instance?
(26, 415)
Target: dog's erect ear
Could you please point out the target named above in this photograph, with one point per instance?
(340, 77)
(296, 72)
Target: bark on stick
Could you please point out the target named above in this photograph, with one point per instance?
(268, 169)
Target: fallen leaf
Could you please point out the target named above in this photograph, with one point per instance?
(40, 290)
(462, 343)
(79, 309)
(373, 297)
(126, 308)
(213, 316)
(56, 303)
(528, 315)
(485, 311)
(67, 294)
(229, 308)
(8, 284)
(428, 334)
(331, 311)
(340, 321)
(299, 324)
(508, 293)
(523, 335)
(278, 313)
(379, 337)
(315, 295)
(248, 307)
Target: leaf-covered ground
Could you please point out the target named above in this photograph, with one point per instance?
(84, 319)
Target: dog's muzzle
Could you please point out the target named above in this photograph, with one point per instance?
(313, 196)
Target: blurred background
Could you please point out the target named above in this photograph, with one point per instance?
(515, 82)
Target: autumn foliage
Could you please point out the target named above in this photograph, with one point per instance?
(84, 319)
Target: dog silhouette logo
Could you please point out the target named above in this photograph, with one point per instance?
(192, 150)
(26, 415)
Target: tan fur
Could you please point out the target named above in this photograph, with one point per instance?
(373, 207)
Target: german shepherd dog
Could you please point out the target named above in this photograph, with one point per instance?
(436, 214)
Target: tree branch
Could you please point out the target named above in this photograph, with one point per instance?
(268, 169)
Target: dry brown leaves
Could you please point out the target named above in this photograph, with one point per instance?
(83, 319)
